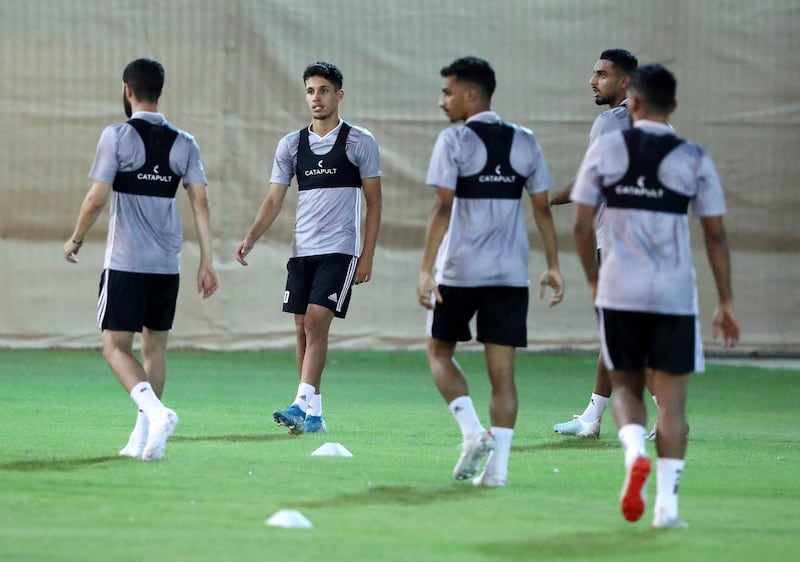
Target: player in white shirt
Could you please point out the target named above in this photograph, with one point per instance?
(609, 80)
(337, 169)
(138, 166)
(476, 258)
(645, 290)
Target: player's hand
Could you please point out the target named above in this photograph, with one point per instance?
(242, 250)
(725, 324)
(207, 280)
(552, 278)
(363, 271)
(71, 249)
(426, 285)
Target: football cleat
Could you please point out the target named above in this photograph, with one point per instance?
(579, 427)
(292, 418)
(473, 451)
(633, 490)
(160, 430)
(314, 424)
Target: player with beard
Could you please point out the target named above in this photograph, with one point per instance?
(139, 165)
(645, 292)
(609, 81)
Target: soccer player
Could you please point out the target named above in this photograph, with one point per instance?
(337, 168)
(645, 292)
(609, 80)
(139, 165)
(475, 260)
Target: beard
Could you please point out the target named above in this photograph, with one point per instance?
(127, 106)
(600, 100)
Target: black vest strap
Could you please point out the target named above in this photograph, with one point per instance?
(497, 180)
(155, 178)
(333, 169)
(640, 187)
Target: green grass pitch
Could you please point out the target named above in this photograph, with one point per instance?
(65, 494)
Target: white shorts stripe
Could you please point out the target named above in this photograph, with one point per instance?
(603, 348)
(102, 300)
(348, 282)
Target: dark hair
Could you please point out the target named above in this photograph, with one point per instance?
(655, 85)
(325, 70)
(623, 59)
(146, 77)
(472, 69)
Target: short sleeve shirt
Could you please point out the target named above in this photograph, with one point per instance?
(486, 243)
(647, 261)
(145, 233)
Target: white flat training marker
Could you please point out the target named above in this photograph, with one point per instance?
(332, 450)
(289, 519)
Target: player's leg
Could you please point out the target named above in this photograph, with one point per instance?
(503, 408)
(316, 324)
(630, 416)
(671, 446)
(624, 347)
(502, 327)
(452, 385)
(587, 424)
(677, 349)
(300, 344)
(154, 346)
(329, 299)
(160, 427)
(158, 315)
(447, 324)
(299, 280)
(317, 329)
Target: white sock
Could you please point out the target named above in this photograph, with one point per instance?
(497, 467)
(465, 415)
(594, 411)
(305, 393)
(139, 433)
(147, 400)
(315, 406)
(632, 438)
(668, 479)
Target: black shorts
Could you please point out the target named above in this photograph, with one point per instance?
(632, 341)
(502, 315)
(323, 280)
(130, 301)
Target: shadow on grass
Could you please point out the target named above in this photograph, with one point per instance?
(232, 438)
(575, 546)
(574, 443)
(41, 465)
(399, 495)
(37, 465)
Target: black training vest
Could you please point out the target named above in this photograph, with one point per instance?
(640, 187)
(155, 178)
(333, 169)
(497, 180)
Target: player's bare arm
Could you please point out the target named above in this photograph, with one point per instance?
(93, 204)
(437, 227)
(207, 279)
(372, 223)
(716, 240)
(562, 196)
(269, 210)
(547, 230)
